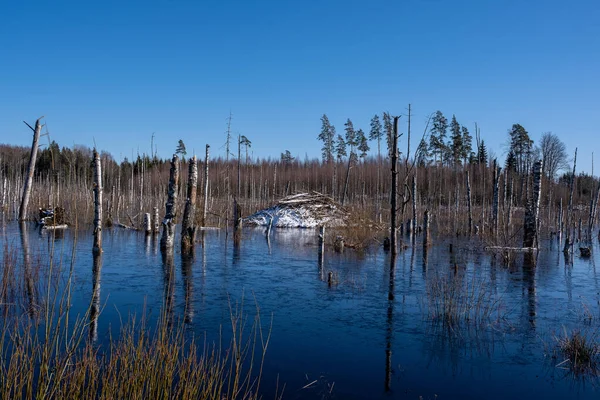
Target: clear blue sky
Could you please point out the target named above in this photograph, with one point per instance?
(117, 71)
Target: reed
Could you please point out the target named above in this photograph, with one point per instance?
(455, 299)
(581, 352)
(48, 354)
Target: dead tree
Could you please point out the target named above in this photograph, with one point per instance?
(495, 199)
(593, 210)
(188, 225)
(97, 203)
(168, 235)
(393, 198)
(30, 169)
(532, 211)
(469, 204)
(205, 211)
(568, 240)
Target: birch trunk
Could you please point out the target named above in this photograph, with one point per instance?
(97, 204)
(533, 209)
(393, 205)
(567, 247)
(168, 235)
(30, 170)
(188, 226)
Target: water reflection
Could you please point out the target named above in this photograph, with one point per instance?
(390, 324)
(29, 286)
(168, 284)
(187, 261)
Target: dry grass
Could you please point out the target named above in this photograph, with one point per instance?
(581, 352)
(455, 299)
(49, 354)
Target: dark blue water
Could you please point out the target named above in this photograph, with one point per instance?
(369, 335)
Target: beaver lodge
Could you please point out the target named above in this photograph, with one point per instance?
(303, 210)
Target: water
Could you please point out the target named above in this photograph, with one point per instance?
(363, 337)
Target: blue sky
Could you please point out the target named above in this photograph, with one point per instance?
(117, 71)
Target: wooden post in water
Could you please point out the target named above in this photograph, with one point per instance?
(188, 225)
(532, 211)
(147, 224)
(568, 240)
(156, 222)
(205, 210)
(97, 203)
(469, 204)
(393, 199)
(30, 169)
(168, 235)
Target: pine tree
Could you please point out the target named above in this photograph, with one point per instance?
(327, 136)
(511, 162)
(389, 132)
(350, 135)
(180, 148)
(437, 138)
(422, 153)
(456, 144)
(340, 148)
(467, 144)
(287, 158)
(376, 133)
(521, 145)
(363, 144)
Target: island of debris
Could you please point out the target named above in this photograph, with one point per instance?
(303, 210)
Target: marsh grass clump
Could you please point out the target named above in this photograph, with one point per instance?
(581, 351)
(53, 354)
(455, 299)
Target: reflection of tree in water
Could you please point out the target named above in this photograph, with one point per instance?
(187, 261)
(27, 272)
(390, 325)
(169, 284)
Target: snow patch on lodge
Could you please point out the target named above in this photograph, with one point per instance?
(303, 210)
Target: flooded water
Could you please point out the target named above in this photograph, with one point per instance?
(372, 332)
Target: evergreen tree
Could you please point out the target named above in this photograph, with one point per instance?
(327, 136)
(363, 144)
(422, 154)
(467, 143)
(340, 148)
(350, 135)
(456, 143)
(437, 137)
(511, 162)
(521, 145)
(388, 128)
(473, 158)
(482, 154)
(287, 158)
(376, 133)
(180, 148)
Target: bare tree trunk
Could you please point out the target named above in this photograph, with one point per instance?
(426, 228)
(156, 222)
(414, 203)
(97, 204)
(469, 204)
(168, 235)
(30, 169)
(205, 210)
(593, 210)
(347, 178)
(393, 204)
(530, 237)
(495, 199)
(567, 247)
(188, 225)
